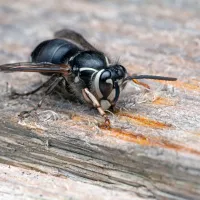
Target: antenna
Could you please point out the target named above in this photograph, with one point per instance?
(150, 77)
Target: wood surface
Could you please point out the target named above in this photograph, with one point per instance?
(152, 149)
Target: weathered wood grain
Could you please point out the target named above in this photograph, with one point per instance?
(22, 183)
(153, 148)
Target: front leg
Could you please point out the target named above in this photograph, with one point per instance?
(90, 98)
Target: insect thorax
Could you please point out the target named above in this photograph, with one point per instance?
(86, 64)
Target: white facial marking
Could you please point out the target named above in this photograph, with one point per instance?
(96, 83)
(105, 104)
(109, 81)
(120, 81)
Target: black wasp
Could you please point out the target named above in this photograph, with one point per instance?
(78, 70)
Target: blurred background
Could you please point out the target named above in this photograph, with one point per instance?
(160, 37)
(138, 33)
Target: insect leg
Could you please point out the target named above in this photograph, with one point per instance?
(90, 97)
(49, 90)
(45, 84)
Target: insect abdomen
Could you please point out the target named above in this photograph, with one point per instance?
(56, 51)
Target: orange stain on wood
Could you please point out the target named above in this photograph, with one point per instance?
(129, 136)
(187, 86)
(195, 82)
(78, 118)
(164, 101)
(194, 85)
(137, 138)
(153, 141)
(145, 121)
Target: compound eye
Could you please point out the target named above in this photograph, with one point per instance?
(121, 71)
(122, 68)
(106, 84)
(105, 75)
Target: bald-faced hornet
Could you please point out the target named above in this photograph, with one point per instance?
(79, 70)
